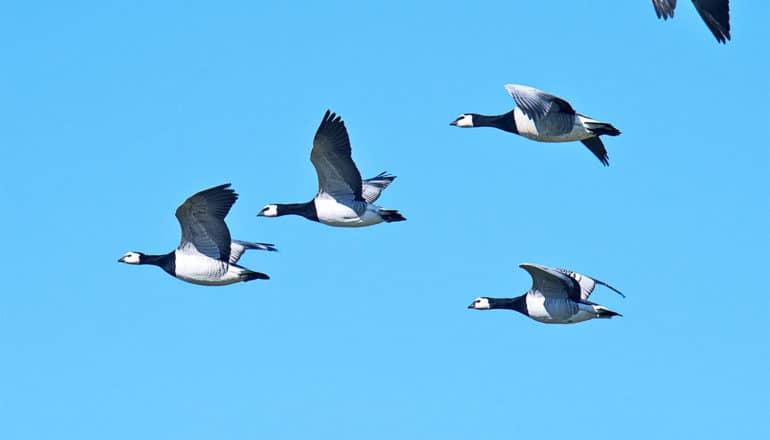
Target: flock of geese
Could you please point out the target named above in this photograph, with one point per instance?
(207, 254)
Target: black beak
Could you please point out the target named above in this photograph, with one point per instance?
(121, 260)
(453, 123)
(471, 306)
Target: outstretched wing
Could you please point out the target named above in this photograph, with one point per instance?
(597, 147)
(551, 283)
(587, 284)
(372, 188)
(202, 219)
(716, 14)
(331, 157)
(238, 247)
(536, 104)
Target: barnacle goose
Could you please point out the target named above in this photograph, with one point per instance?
(206, 255)
(343, 199)
(544, 117)
(557, 296)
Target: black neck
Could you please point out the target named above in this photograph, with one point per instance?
(503, 122)
(519, 303)
(306, 210)
(167, 261)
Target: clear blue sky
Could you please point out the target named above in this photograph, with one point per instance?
(112, 113)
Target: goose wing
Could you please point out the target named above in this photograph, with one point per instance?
(537, 104)
(587, 284)
(552, 283)
(372, 188)
(664, 8)
(596, 146)
(238, 247)
(716, 14)
(202, 219)
(331, 157)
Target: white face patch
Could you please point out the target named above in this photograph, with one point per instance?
(464, 121)
(130, 258)
(480, 303)
(269, 211)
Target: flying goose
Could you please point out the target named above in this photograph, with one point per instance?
(546, 118)
(206, 255)
(716, 14)
(343, 199)
(557, 296)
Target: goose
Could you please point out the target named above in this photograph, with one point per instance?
(206, 255)
(544, 117)
(557, 296)
(716, 14)
(343, 199)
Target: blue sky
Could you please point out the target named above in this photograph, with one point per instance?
(114, 112)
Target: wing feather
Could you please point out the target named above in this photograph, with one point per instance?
(536, 104)
(664, 8)
(372, 188)
(331, 156)
(238, 247)
(551, 283)
(716, 14)
(202, 220)
(587, 284)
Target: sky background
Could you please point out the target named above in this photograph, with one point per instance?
(113, 113)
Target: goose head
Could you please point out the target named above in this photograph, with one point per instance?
(269, 211)
(131, 258)
(465, 120)
(480, 303)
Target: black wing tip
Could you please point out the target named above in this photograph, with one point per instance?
(331, 117)
(258, 246)
(219, 191)
(609, 287)
(721, 34)
(331, 122)
(665, 15)
(383, 176)
(269, 247)
(220, 187)
(596, 146)
(663, 10)
(225, 189)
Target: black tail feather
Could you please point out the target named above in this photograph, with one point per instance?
(602, 128)
(391, 215)
(250, 275)
(607, 313)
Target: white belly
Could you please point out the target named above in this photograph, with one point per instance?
(200, 269)
(331, 212)
(538, 132)
(556, 311)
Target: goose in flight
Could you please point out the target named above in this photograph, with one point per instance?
(343, 199)
(716, 14)
(544, 117)
(206, 255)
(557, 296)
